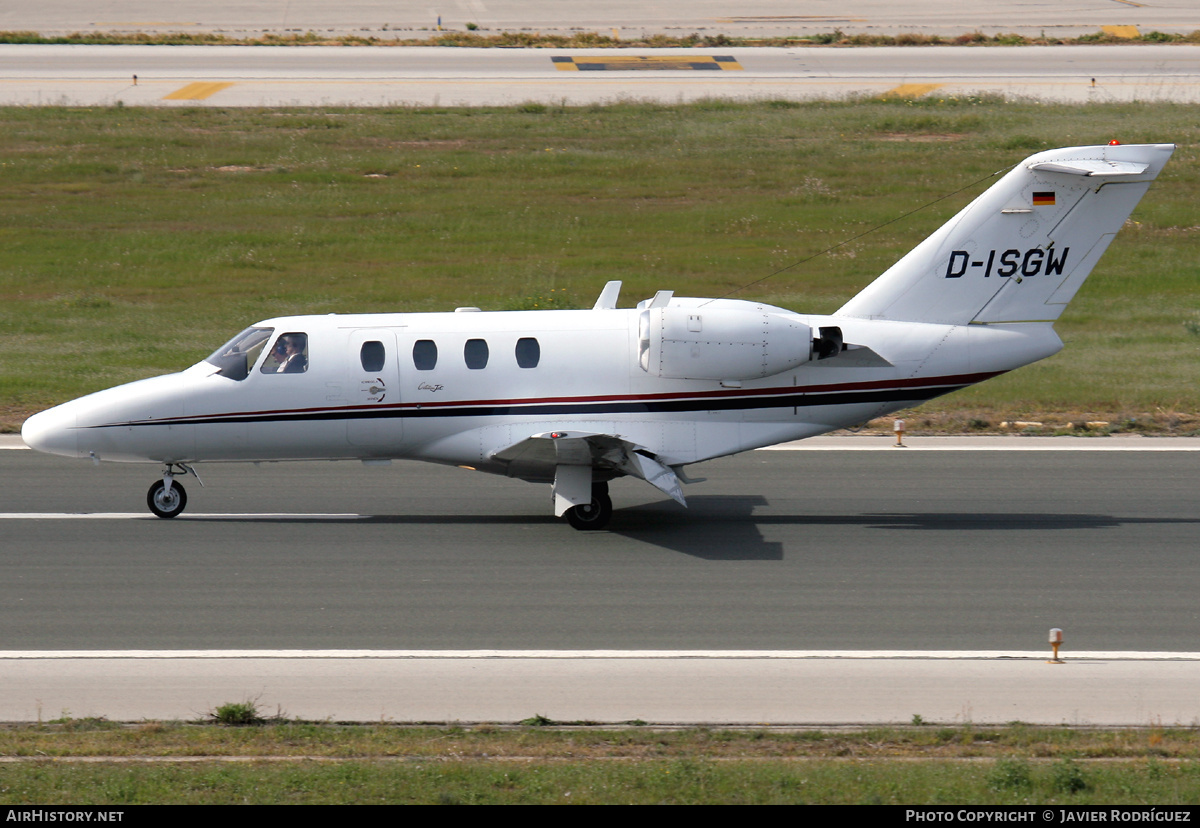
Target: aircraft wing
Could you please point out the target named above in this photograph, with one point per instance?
(567, 453)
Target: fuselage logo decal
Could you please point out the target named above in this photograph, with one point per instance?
(1009, 263)
(374, 390)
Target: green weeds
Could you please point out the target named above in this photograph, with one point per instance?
(547, 763)
(238, 714)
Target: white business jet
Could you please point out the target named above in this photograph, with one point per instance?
(577, 398)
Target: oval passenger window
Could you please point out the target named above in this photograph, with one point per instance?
(372, 356)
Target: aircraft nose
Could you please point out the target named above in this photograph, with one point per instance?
(52, 431)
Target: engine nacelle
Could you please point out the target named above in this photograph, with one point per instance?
(720, 343)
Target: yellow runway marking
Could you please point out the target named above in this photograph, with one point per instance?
(911, 90)
(1121, 31)
(567, 63)
(196, 91)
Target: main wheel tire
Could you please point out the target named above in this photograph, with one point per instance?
(166, 504)
(595, 515)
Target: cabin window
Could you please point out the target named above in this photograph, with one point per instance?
(475, 352)
(425, 354)
(236, 357)
(529, 352)
(289, 355)
(372, 356)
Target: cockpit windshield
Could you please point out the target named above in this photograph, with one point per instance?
(237, 356)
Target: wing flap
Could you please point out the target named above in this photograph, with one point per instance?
(565, 455)
(657, 475)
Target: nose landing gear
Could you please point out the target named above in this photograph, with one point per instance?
(167, 498)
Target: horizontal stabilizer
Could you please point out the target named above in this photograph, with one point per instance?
(1091, 167)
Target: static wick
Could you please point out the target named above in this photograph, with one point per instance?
(1056, 639)
(898, 428)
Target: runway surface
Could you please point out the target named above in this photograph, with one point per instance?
(819, 585)
(429, 76)
(816, 550)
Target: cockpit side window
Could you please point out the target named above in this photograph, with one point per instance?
(236, 357)
(289, 355)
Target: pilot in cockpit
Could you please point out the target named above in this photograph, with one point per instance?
(294, 361)
(279, 355)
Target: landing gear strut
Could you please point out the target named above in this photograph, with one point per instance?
(594, 515)
(167, 498)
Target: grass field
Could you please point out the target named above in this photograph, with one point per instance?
(137, 240)
(95, 762)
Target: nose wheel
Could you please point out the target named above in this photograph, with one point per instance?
(164, 502)
(166, 497)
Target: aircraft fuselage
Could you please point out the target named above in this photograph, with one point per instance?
(581, 372)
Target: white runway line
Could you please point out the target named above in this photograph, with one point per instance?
(725, 655)
(197, 516)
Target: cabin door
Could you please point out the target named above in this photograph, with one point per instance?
(373, 388)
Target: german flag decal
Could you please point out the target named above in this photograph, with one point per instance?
(1043, 199)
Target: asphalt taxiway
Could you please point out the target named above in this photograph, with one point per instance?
(48, 75)
(201, 76)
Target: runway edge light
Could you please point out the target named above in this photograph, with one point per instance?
(1056, 639)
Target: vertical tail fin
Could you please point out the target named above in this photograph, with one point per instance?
(1020, 251)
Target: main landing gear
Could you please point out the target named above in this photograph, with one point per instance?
(167, 498)
(594, 515)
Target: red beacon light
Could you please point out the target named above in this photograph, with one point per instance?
(1114, 143)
